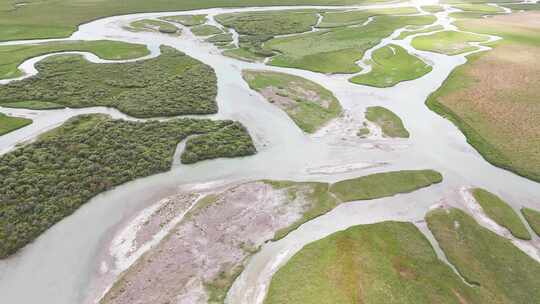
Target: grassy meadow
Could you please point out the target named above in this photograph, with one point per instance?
(447, 42)
(533, 218)
(390, 124)
(493, 98)
(391, 65)
(308, 104)
(499, 211)
(10, 123)
(11, 56)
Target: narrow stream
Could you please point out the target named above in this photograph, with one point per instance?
(61, 265)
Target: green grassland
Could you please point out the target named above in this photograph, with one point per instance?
(391, 65)
(502, 273)
(533, 218)
(243, 54)
(44, 19)
(356, 17)
(255, 28)
(473, 101)
(269, 23)
(230, 141)
(32, 105)
(186, 20)
(523, 6)
(499, 211)
(49, 179)
(388, 262)
(153, 25)
(390, 124)
(170, 84)
(479, 8)
(447, 42)
(406, 34)
(11, 56)
(384, 184)
(9, 123)
(205, 30)
(308, 104)
(337, 50)
(432, 8)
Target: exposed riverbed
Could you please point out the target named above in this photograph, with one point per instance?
(62, 264)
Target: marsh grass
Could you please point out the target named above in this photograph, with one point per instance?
(499, 211)
(11, 56)
(390, 124)
(10, 123)
(391, 65)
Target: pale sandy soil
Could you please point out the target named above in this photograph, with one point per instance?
(210, 244)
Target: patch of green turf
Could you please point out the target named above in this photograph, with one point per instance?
(205, 30)
(479, 8)
(220, 39)
(391, 65)
(384, 184)
(32, 105)
(186, 20)
(488, 139)
(356, 17)
(153, 25)
(49, 179)
(390, 124)
(533, 218)
(406, 34)
(308, 104)
(337, 50)
(243, 54)
(9, 123)
(230, 141)
(270, 23)
(448, 42)
(523, 6)
(255, 28)
(502, 273)
(320, 202)
(363, 132)
(168, 85)
(499, 211)
(11, 56)
(388, 262)
(432, 8)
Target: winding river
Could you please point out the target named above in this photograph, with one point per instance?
(61, 265)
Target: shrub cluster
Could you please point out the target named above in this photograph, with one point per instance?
(169, 85)
(49, 179)
(231, 141)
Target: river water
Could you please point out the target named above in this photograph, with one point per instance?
(62, 264)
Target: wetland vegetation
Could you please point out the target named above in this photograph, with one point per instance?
(168, 85)
(477, 253)
(391, 65)
(388, 262)
(336, 50)
(309, 105)
(533, 218)
(11, 56)
(390, 124)
(10, 123)
(499, 211)
(493, 98)
(186, 20)
(52, 177)
(153, 25)
(384, 184)
(230, 141)
(448, 42)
